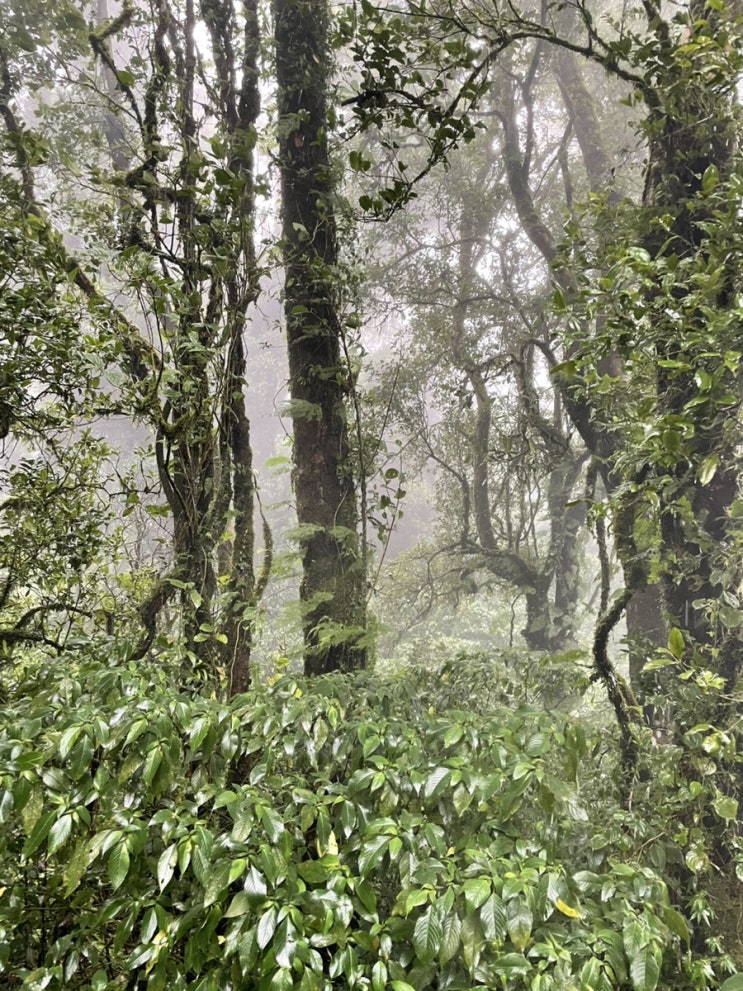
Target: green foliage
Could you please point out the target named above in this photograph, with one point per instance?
(315, 835)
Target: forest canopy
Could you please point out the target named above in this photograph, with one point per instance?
(370, 541)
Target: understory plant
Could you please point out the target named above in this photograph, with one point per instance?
(343, 832)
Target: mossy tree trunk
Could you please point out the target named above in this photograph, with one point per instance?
(333, 584)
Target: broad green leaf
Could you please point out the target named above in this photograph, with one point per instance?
(247, 950)
(472, 940)
(272, 823)
(413, 898)
(519, 921)
(726, 807)
(32, 811)
(644, 969)
(60, 832)
(282, 980)
(284, 944)
(710, 178)
(462, 799)
(734, 983)
(99, 981)
(590, 975)
(311, 980)
(427, 935)
(151, 764)
(216, 882)
(366, 895)
(707, 469)
(200, 861)
(512, 963)
(634, 939)
(149, 926)
(118, 864)
(166, 866)
(372, 854)
(76, 866)
(255, 886)
(39, 832)
(237, 869)
(436, 782)
(379, 976)
(676, 923)
(451, 929)
(240, 905)
(476, 890)
(676, 642)
(266, 928)
(493, 918)
(312, 871)
(453, 735)
(67, 740)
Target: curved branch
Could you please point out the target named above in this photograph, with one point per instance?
(621, 696)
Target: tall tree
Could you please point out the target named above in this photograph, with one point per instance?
(172, 276)
(333, 586)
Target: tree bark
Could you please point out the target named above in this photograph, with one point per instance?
(333, 584)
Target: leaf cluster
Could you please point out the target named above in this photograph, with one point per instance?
(316, 835)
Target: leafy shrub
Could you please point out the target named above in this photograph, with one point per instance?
(313, 835)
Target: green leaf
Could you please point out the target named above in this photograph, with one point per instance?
(216, 882)
(726, 807)
(493, 918)
(166, 866)
(151, 764)
(734, 983)
(476, 890)
(512, 963)
(99, 981)
(60, 832)
(240, 905)
(590, 975)
(676, 923)
(451, 929)
(427, 935)
(312, 871)
(118, 864)
(255, 886)
(676, 642)
(436, 782)
(379, 976)
(519, 922)
(39, 832)
(76, 867)
(272, 823)
(68, 739)
(644, 968)
(282, 980)
(710, 179)
(372, 854)
(415, 897)
(266, 928)
(707, 469)
(366, 895)
(634, 939)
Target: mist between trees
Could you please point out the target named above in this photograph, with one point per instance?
(370, 575)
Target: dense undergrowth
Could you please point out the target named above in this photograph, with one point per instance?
(346, 832)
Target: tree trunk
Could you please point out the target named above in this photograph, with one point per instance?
(333, 585)
(691, 130)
